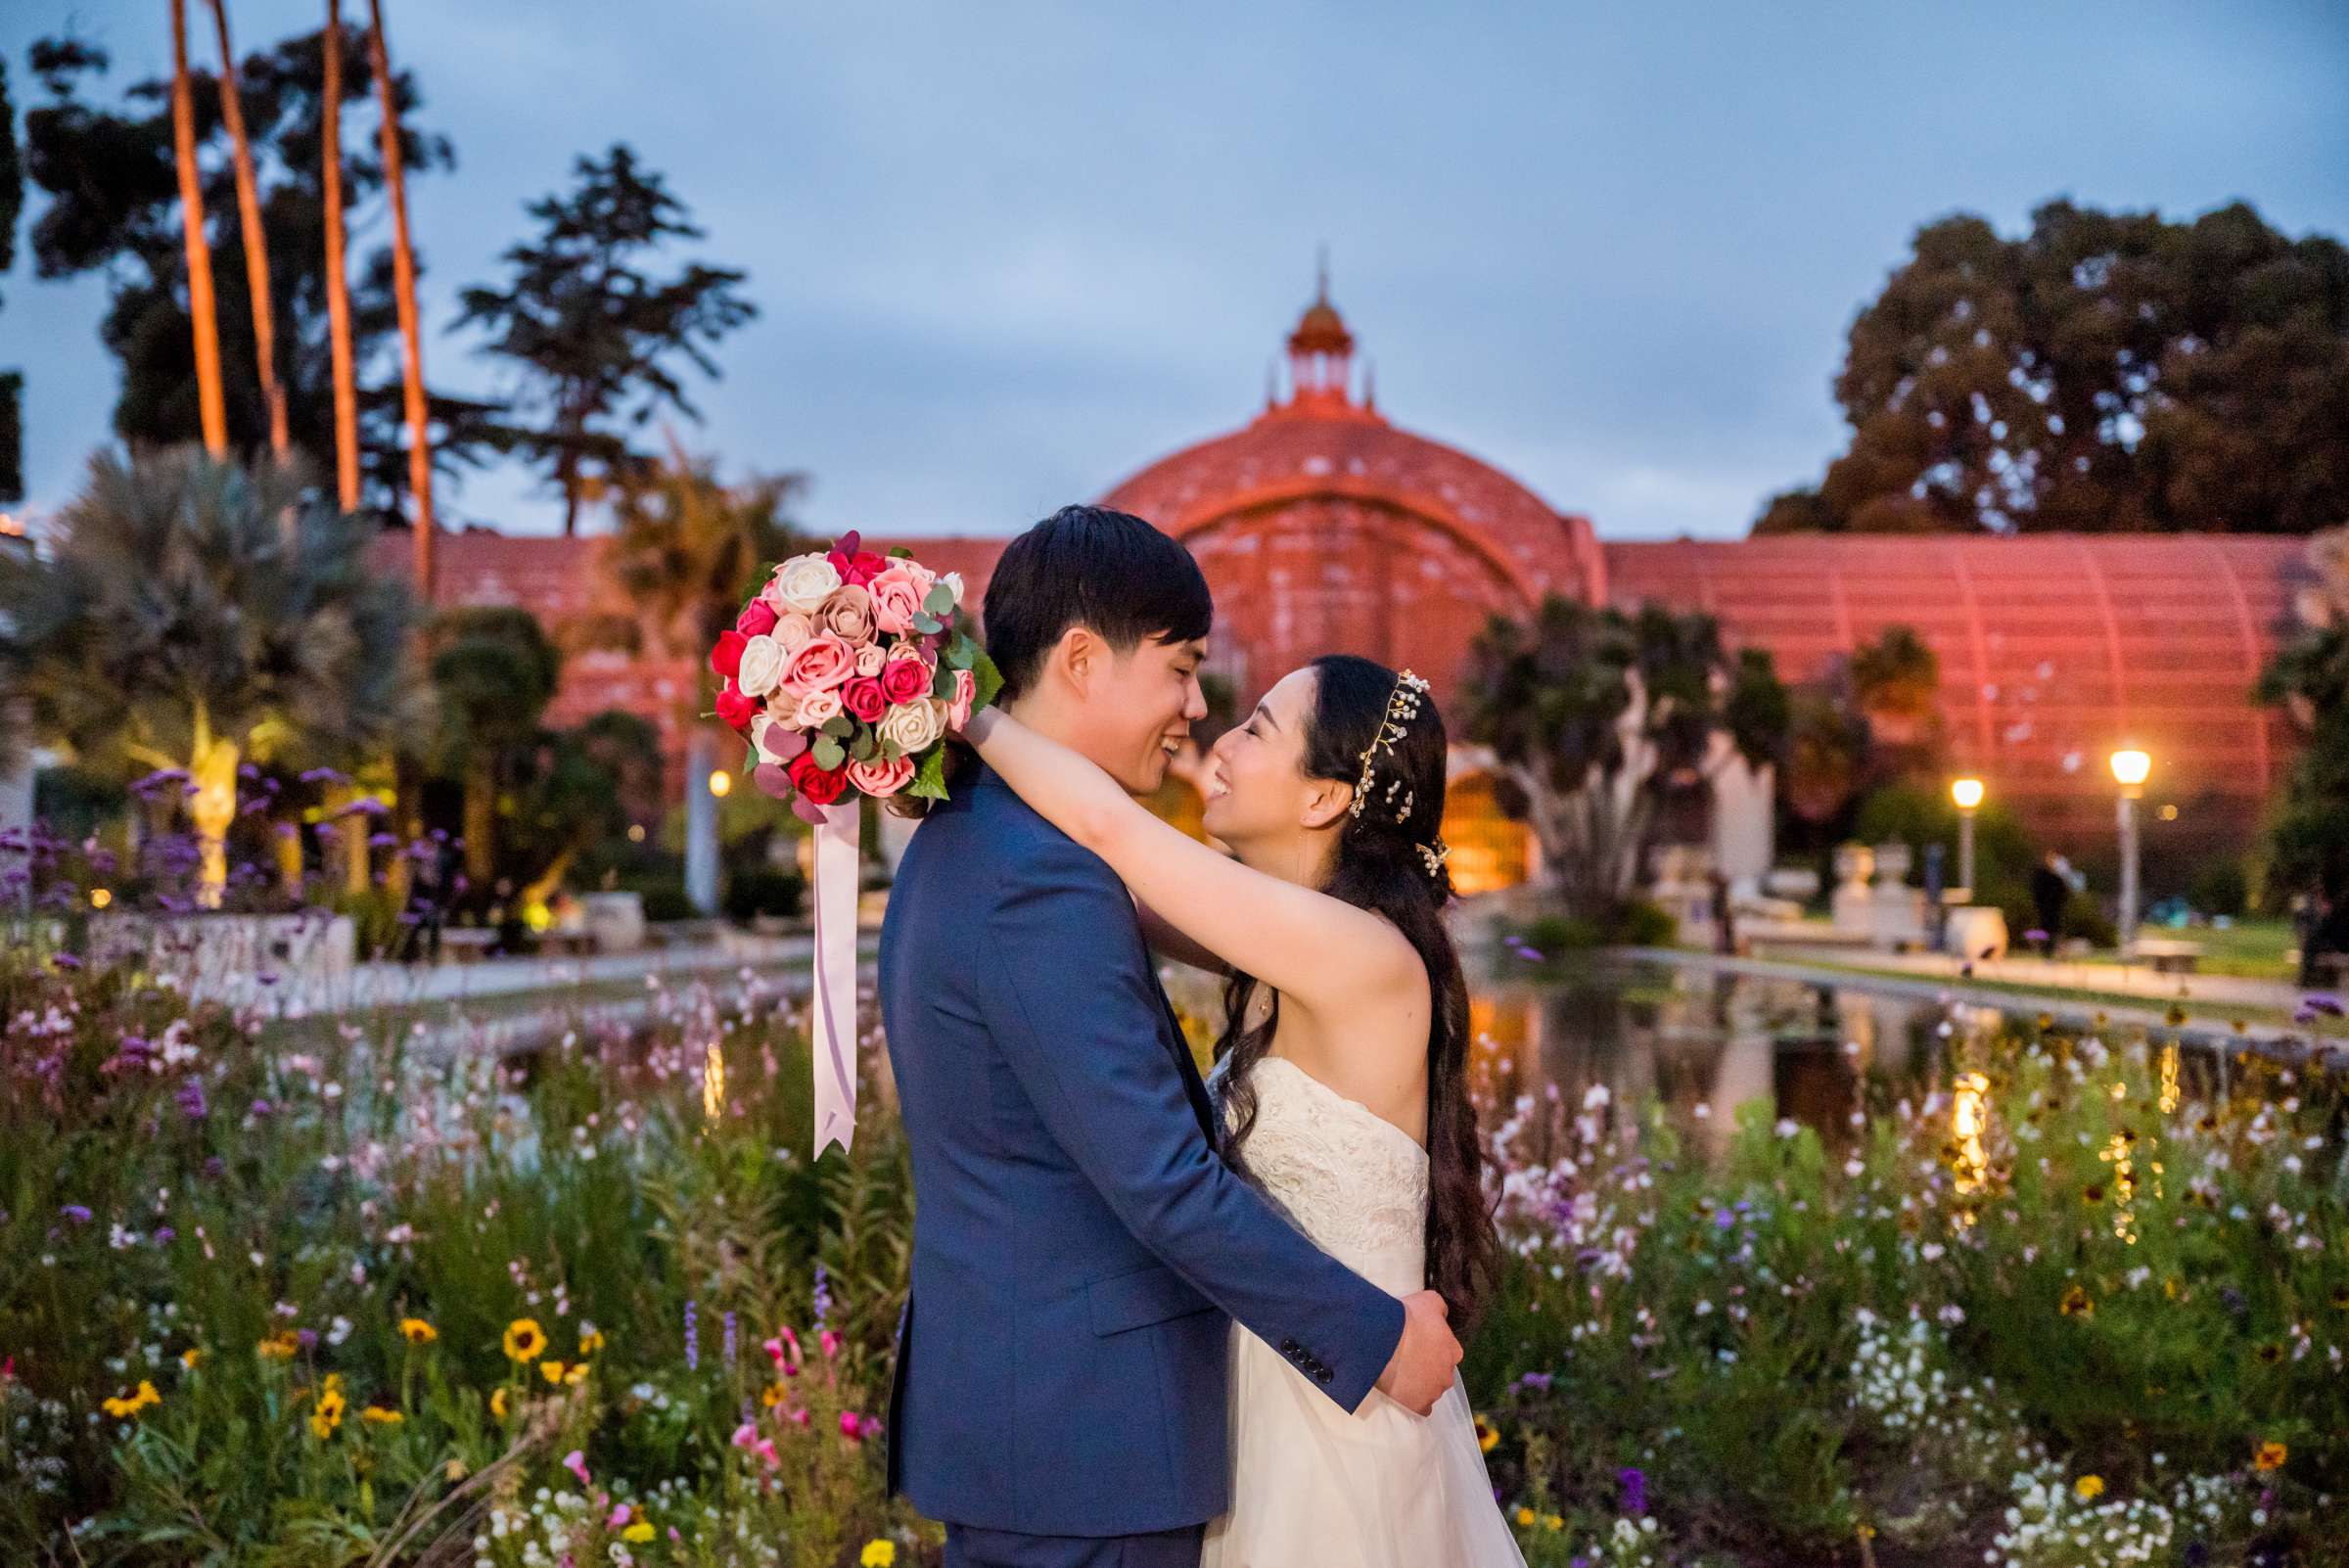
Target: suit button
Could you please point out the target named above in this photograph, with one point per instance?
(1321, 1374)
(1288, 1347)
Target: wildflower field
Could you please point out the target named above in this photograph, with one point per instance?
(281, 1295)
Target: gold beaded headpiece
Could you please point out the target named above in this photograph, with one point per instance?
(1403, 705)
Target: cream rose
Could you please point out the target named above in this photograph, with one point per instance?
(953, 582)
(762, 663)
(870, 658)
(783, 708)
(774, 740)
(819, 708)
(804, 582)
(915, 726)
(792, 629)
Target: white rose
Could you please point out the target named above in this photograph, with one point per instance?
(953, 582)
(915, 726)
(762, 663)
(804, 582)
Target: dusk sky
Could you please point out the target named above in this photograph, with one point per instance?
(1005, 254)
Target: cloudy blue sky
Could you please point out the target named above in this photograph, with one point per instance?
(1006, 254)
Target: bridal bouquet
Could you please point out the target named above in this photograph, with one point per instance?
(844, 674)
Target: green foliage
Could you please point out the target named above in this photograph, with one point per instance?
(197, 1206)
(1594, 714)
(761, 891)
(2101, 373)
(180, 592)
(2220, 887)
(12, 385)
(2308, 832)
(112, 211)
(589, 336)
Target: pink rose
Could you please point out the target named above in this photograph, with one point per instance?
(958, 706)
(757, 620)
(783, 708)
(880, 779)
(818, 708)
(821, 663)
(870, 659)
(848, 615)
(908, 647)
(904, 679)
(792, 629)
(864, 698)
(898, 594)
(854, 563)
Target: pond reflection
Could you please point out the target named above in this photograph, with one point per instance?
(1705, 1044)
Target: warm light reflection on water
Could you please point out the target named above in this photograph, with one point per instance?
(1967, 1123)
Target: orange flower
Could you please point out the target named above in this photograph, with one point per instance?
(2269, 1457)
(2075, 1303)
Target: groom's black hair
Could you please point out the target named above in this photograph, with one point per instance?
(1091, 567)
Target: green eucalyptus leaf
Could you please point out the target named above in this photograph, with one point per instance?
(827, 753)
(939, 601)
(840, 726)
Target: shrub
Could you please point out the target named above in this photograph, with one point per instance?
(761, 890)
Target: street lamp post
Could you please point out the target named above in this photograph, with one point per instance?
(2129, 769)
(1968, 793)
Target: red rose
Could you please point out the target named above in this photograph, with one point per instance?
(734, 707)
(726, 658)
(818, 786)
(757, 620)
(865, 698)
(904, 679)
(857, 566)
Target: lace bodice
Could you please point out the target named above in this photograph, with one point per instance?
(1351, 1180)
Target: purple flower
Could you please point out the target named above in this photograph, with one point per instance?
(733, 1341)
(2320, 1004)
(1635, 1493)
(191, 1099)
(823, 1298)
(323, 775)
(65, 961)
(76, 1212)
(693, 1336)
(1724, 1220)
(165, 1233)
(1537, 1381)
(309, 1338)
(2032, 935)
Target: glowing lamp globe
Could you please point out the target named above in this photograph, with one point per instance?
(2130, 767)
(1968, 793)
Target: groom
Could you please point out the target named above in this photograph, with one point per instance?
(1079, 1250)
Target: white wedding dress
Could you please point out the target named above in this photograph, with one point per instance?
(1313, 1486)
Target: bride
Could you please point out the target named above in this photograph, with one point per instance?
(1341, 1075)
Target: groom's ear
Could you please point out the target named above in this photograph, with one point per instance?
(1078, 656)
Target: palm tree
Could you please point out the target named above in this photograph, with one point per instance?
(338, 290)
(193, 613)
(403, 284)
(688, 552)
(211, 400)
(256, 243)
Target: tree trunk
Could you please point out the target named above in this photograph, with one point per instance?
(338, 290)
(348, 832)
(211, 808)
(210, 401)
(481, 822)
(403, 283)
(256, 242)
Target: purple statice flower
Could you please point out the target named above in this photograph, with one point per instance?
(1722, 1219)
(215, 1167)
(158, 779)
(733, 1339)
(693, 1336)
(165, 1233)
(65, 961)
(190, 1098)
(2320, 1004)
(1635, 1493)
(2032, 935)
(323, 775)
(309, 1338)
(1537, 1381)
(76, 1213)
(382, 841)
(823, 1298)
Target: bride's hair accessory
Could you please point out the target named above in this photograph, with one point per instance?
(1403, 705)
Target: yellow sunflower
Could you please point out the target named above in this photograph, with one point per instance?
(591, 1339)
(878, 1554)
(1486, 1437)
(191, 1356)
(525, 1339)
(2090, 1487)
(122, 1406)
(1526, 1516)
(282, 1346)
(497, 1403)
(382, 1415)
(417, 1331)
(2075, 1302)
(328, 1416)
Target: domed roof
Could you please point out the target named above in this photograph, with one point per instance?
(1321, 330)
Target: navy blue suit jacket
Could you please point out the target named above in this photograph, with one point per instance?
(1078, 1249)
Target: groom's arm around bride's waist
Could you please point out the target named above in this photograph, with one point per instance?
(1077, 1019)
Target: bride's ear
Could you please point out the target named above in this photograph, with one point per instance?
(1329, 799)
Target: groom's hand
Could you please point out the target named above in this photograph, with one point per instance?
(1421, 1368)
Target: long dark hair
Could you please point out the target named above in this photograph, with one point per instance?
(1381, 866)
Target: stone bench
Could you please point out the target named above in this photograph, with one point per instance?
(2166, 956)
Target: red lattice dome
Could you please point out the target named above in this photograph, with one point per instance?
(1324, 527)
